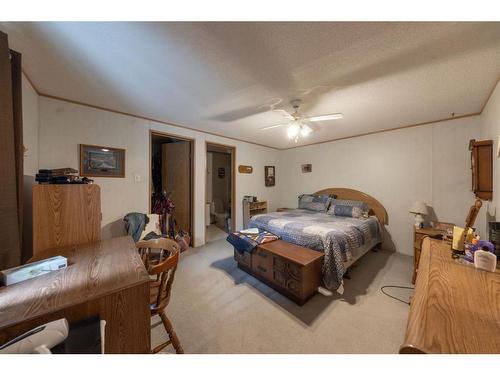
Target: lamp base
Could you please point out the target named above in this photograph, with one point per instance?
(419, 221)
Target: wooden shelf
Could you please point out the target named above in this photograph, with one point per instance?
(253, 208)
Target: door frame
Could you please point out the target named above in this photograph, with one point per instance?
(233, 183)
(192, 177)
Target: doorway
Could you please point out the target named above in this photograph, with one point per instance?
(219, 191)
(172, 181)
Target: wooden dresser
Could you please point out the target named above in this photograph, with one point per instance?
(292, 270)
(455, 308)
(105, 278)
(65, 215)
(418, 234)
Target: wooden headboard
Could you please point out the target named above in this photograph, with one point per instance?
(376, 207)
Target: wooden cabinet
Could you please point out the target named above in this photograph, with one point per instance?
(252, 208)
(65, 215)
(482, 168)
(292, 270)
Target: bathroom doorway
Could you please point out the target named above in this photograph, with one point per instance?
(172, 182)
(219, 191)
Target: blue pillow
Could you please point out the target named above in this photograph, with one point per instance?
(348, 208)
(314, 202)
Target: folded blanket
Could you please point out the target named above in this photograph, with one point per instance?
(247, 242)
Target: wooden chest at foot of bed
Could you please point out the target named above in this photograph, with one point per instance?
(292, 270)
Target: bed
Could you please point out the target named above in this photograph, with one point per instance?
(342, 239)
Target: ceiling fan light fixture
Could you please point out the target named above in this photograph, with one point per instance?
(305, 130)
(293, 131)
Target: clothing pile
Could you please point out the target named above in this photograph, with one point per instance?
(163, 205)
(60, 176)
(247, 240)
(135, 224)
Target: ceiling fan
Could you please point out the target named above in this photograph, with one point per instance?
(298, 122)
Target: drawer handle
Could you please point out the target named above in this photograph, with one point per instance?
(262, 254)
(261, 269)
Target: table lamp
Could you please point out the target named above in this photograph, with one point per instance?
(419, 209)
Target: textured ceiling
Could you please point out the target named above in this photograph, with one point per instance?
(225, 77)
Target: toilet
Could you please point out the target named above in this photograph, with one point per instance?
(217, 210)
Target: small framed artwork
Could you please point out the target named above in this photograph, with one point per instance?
(270, 175)
(101, 161)
(245, 169)
(307, 168)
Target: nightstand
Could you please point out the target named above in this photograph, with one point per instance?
(252, 208)
(418, 234)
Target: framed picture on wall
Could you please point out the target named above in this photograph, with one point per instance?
(102, 161)
(306, 168)
(270, 179)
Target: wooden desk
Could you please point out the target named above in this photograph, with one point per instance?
(105, 278)
(455, 308)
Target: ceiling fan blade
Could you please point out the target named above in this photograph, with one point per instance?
(241, 113)
(332, 116)
(272, 127)
(285, 113)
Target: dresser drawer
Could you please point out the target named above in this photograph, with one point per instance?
(418, 239)
(243, 258)
(284, 280)
(287, 267)
(262, 263)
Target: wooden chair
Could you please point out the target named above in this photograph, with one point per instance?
(160, 256)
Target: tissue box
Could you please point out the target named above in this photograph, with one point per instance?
(28, 271)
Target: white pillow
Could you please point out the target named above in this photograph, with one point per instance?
(152, 226)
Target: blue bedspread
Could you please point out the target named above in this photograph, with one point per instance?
(336, 236)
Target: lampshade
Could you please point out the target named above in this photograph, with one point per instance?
(419, 208)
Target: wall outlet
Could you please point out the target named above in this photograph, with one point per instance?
(137, 177)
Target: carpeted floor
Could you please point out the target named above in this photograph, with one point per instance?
(217, 308)
(214, 233)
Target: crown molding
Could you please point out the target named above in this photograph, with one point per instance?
(386, 130)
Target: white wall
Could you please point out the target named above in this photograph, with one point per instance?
(63, 126)
(30, 162)
(429, 163)
(490, 126)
